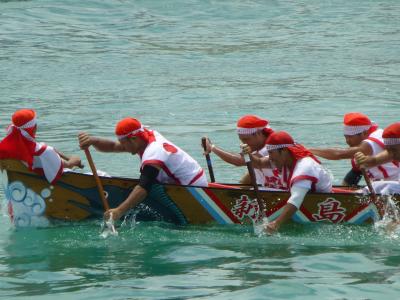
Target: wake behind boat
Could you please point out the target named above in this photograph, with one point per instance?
(32, 201)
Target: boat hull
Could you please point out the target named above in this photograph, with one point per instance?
(32, 201)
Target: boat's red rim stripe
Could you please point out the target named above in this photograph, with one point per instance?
(208, 204)
(215, 199)
(355, 212)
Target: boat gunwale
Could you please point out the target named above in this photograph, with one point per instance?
(234, 186)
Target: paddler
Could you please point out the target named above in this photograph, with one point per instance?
(299, 170)
(363, 136)
(391, 154)
(161, 161)
(253, 131)
(20, 143)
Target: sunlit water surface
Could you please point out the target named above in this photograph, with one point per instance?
(188, 69)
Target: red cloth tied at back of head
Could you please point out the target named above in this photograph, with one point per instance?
(130, 127)
(20, 140)
(281, 139)
(250, 124)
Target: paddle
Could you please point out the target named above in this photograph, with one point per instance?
(100, 189)
(253, 179)
(208, 159)
(373, 196)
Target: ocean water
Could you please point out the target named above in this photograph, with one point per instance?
(188, 69)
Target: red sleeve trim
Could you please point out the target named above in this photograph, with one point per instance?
(156, 162)
(382, 145)
(41, 150)
(201, 172)
(383, 171)
(59, 173)
(313, 180)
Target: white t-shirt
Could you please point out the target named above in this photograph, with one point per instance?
(47, 161)
(307, 175)
(387, 171)
(268, 177)
(176, 166)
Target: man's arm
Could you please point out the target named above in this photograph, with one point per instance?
(103, 145)
(288, 211)
(260, 162)
(297, 195)
(148, 177)
(366, 161)
(232, 158)
(340, 153)
(135, 197)
(235, 159)
(72, 161)
(69, 161)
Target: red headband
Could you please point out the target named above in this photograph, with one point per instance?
(355, 123)
(391, 134)
(250, 124)
(128, 127)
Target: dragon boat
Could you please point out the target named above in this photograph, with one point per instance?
(32, 201)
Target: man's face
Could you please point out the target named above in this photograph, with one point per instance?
(277, 157)
(354, 140)
(256, 141)
(394, 151)
(130, 144)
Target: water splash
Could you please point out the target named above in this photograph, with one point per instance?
(130, 219)
(140, 211)
(260, 224)
(390, 223)
(108, 228)
(258, 227)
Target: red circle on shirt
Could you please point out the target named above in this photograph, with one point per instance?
(170, 148)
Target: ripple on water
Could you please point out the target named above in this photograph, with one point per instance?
(197, 253)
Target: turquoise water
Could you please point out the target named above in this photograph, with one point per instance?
(188, 69)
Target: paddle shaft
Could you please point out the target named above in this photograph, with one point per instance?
(208, 159)
(96, 177)
(369, 184)
(373, 196)
(253, 179)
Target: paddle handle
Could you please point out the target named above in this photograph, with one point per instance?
(373, 196)
(97, 179)
(369, 183)
(208, 159)
(253, 179)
